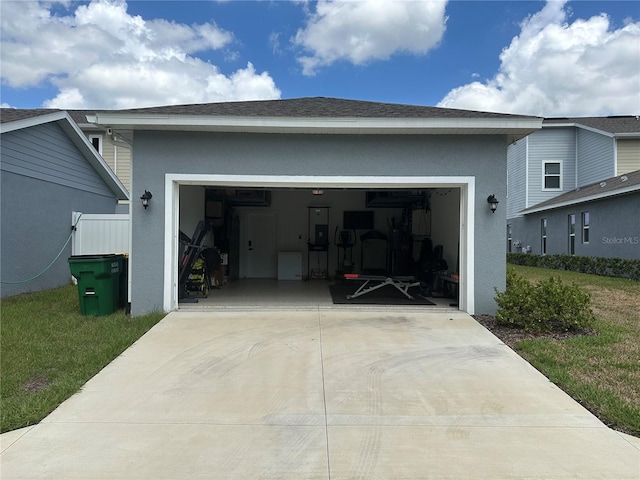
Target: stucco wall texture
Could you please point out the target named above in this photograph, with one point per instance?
(158, 153)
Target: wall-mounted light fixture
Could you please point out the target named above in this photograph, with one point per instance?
(493, 202)
(146, 196)
(317, 191)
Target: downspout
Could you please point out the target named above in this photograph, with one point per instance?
(575, 159)
(615, 156)
(526, 172)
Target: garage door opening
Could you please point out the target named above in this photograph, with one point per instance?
(275, 240)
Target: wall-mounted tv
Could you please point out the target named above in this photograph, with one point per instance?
(357, 220)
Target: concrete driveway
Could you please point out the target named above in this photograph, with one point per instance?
(324, 394)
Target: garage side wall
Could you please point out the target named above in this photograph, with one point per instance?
(158, 153)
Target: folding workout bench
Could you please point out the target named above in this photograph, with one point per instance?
(401, 283)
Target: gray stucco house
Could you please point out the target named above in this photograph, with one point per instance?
(253, 168)
(574, 188)
(48, 170)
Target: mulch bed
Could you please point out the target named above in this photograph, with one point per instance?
(511, 336)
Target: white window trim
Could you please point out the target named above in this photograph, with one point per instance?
(544, 226)
(99, 137)
(571, 235)
(545, 189)
(586, 227)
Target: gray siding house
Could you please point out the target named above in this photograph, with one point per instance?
(48, 170)
(573, 188)
(258, 165)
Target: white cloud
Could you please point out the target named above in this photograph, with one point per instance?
(556, 68)
(361, 31)
(100, 56)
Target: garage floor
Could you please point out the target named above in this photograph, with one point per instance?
(282, 294)
(319, 394)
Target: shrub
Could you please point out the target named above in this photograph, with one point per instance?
(516, 302)
(546, 306)
(611, 267)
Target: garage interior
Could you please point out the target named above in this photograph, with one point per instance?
(290, 246)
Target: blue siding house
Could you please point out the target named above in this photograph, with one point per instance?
(48, 170)
(574, 188)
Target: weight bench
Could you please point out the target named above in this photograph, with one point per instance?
(401, 283)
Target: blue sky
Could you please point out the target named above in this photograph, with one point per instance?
(555, 58)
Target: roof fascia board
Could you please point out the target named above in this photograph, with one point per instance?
(295, 123)
(93, 157)
(631, 135)
(590, 198)
(33, 121)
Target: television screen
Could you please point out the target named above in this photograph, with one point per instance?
(358, 220)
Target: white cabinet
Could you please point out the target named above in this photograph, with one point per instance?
(290, 266)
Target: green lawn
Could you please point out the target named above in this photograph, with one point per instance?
(601, 371)
(48, 351)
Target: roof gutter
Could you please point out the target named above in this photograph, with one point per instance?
(589, 198)
(519, 127)
(630, 135)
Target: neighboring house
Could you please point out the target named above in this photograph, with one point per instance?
(573, 188)
(114, 149)
(253, 168)
(48, 170)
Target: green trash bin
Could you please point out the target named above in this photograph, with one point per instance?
(98, 282)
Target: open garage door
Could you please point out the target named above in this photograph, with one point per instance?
(292, 211)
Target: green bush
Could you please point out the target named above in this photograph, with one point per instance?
(610, 267)
(546, 306)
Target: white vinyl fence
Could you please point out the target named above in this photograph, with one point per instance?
(98, 234)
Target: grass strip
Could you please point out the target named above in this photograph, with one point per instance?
(48, 351)
(601, 371)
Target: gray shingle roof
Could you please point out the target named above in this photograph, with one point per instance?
(608, 186)
(614, 124)
(314, 107)
(14, 114)
(310, 107)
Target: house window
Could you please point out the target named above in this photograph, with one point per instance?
(96, 141)
(543, 235)
(509, 233)
(585, 227)
(572, 234)
(552, 175)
